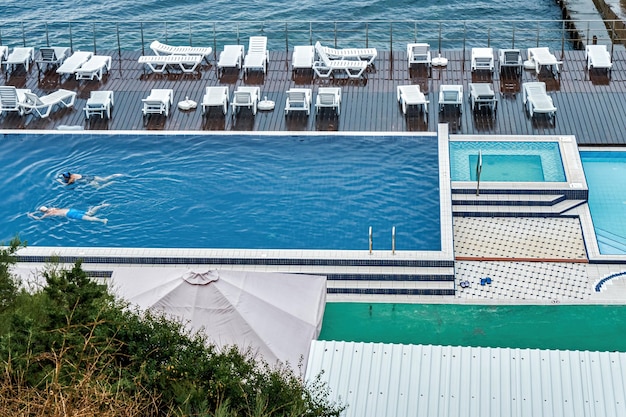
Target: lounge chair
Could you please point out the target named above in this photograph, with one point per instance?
(100, 103)
(361, 54)
(411, 95)
(542, 57)
(482, 95)
(328, 97)
(162, 49)
(20, 56)
(160, 63)
(257, 57)
(51, 56)
(302, 57)
(11, 99)
(482, 59)
(510, 58)
(598, 57)
(537, 101)
(215, 96)
(94, 68)
(71, 64)
(298, 99)
(245, 97)
(43, 106)
(451, 95)
(158, 102)
(230, 57)
(325, 66)
(419, 53)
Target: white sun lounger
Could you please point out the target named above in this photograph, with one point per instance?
(536, 99)
(162, 49)
(73, 62)
(257, 57)
(20, 56)
(451, 95)
(510, 58)
(230, 57)
(11, 99)
(598, 57)
(100, 103)
(43, 105)
(325, 66)
(482, 59)
(362, 54)
(482, 95)
(411, 95)
(419, 53)
(215, 97)
(160, 63)
(245, 97)
(158, 102)
(302, 57)
(52, 56)
(542, 57)
(328, 97)
(298, 99)
(94, 68)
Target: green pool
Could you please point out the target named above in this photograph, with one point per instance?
(601, 328)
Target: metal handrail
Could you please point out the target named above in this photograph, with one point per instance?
(393, 35)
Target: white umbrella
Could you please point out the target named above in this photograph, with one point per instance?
(275, 314)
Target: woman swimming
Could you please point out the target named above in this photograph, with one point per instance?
(68, 178)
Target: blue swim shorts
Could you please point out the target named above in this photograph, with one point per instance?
(75, 214)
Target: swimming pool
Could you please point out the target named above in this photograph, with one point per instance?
(574, 327)
(606, 176)
(225, 191)
(509, 161)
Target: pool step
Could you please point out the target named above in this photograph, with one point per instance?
(505, 205)
(507, 199)
(351, 283)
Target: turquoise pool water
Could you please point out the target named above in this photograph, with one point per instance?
(576, 327)
(605, 172)
(225, 191)
(507, 161)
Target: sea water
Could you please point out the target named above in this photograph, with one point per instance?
(132, 25)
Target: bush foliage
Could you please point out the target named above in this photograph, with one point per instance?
(72, 349)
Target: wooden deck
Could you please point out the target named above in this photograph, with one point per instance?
(590, 106)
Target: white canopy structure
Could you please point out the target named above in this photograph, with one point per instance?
(276, 315)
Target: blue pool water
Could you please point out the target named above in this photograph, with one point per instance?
(225, 191)
(507, 161)
(605, 173)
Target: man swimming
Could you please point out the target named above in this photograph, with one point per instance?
(70, 213)
(69, 178)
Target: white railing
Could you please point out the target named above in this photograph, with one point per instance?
(283, 35)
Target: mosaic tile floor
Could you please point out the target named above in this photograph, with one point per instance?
(544, 281)
(523, 237)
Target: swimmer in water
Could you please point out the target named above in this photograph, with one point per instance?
(69, 178)
(70, 213)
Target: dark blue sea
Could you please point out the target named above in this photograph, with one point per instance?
(129, 25)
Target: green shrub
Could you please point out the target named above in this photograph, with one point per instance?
(73, 349)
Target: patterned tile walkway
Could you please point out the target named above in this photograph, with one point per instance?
(518, 237)
(502, 248)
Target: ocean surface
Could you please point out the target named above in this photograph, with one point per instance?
(100, 17)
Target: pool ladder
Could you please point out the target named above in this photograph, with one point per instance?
(393, 240)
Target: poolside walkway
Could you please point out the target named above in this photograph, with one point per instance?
(529, 260)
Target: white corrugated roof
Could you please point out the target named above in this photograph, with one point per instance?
(391, 380)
